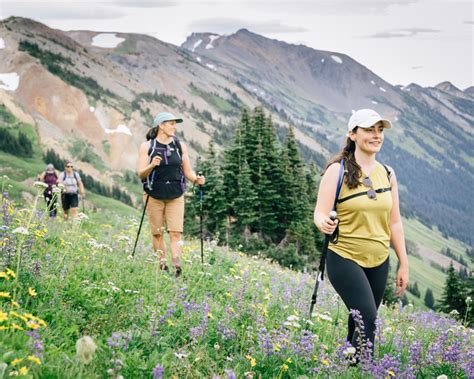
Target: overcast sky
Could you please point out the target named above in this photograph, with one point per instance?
(404, 41)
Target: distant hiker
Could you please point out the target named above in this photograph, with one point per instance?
(369, 219)
(50, 177)
(163, 165)
(72, 186)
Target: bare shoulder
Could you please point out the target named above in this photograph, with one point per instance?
(184, 148)
(333, 169)
(144, 146)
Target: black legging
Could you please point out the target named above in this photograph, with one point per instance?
(360, 288)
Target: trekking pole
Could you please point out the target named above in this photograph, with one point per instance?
(320, 278)
(140, 227)
(200, 220)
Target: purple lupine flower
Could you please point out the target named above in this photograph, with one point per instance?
(386, 367)
(158, 371)
(231, 374)
(119, 340)
(225, 332)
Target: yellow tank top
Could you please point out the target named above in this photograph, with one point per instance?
(364, 224)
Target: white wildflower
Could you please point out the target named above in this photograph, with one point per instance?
(349, 351)
(468, 300)
(442, 377)
(454, 313)
(40, 185)
(57, 190)
(180, 243)
(82, 217)
(322, 316)
(180, 355)
(85, 349)
(216, 346)
(21, 230)
(292, 318)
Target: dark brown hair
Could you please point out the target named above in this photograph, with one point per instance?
(152, 133)
(353, 170)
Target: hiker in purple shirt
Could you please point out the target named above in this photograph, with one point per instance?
(50, 177)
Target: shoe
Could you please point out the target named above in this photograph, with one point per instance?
(163, 267)
(178, 271)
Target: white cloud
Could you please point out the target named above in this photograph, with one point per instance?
(222, 25)
(401, 33)
(51, 10)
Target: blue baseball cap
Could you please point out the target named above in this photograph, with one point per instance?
(165, 116)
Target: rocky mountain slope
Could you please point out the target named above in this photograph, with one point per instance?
(92, 96)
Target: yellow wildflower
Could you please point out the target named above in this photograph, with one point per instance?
(252, 360)
(34, 359)
(170, 322)
(17, 315)
(289, 360)
(23, 370)
(3, 316)
(32, 291)
(5, 294)
(284, 367)
(32, 324)
(4, 275)
(4, 327)
(277, 347)
(16, 361)
(16, 326)
(15, 304)
(391, 373)
(325, 362)
(209, 315)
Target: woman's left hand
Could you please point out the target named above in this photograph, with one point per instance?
(401, 281)
(200, 180)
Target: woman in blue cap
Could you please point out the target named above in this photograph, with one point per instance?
(163, 166)
(369, 220)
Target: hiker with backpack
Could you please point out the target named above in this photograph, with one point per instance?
(50, 177)
(164, 166)
(369, 219)
(73, 186)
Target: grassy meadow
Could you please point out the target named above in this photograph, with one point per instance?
(75, 304)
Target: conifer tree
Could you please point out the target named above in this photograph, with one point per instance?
(214, 206)
(244, 203)
(453, 297)
(429, 298)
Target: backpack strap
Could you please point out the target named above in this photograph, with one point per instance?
(389, 173)
(340, 181)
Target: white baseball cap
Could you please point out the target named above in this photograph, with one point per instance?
(365, 118)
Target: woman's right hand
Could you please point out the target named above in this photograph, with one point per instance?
(155, 161)
(327, 226)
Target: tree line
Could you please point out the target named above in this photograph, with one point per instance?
(259, 195)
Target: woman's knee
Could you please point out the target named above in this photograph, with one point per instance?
(175, 236)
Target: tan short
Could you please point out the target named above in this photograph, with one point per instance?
(169, 211)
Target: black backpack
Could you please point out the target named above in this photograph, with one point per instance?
(169, 190)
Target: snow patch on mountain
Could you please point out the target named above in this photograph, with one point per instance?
(107, 40)
(10, 81)
(120, 129)
(212, 39)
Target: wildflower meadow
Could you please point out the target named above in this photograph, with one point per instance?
(74, 303)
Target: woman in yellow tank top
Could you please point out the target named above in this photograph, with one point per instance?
(369, 219)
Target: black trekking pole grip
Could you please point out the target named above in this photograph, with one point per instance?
(320, 277)
(140, 227)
